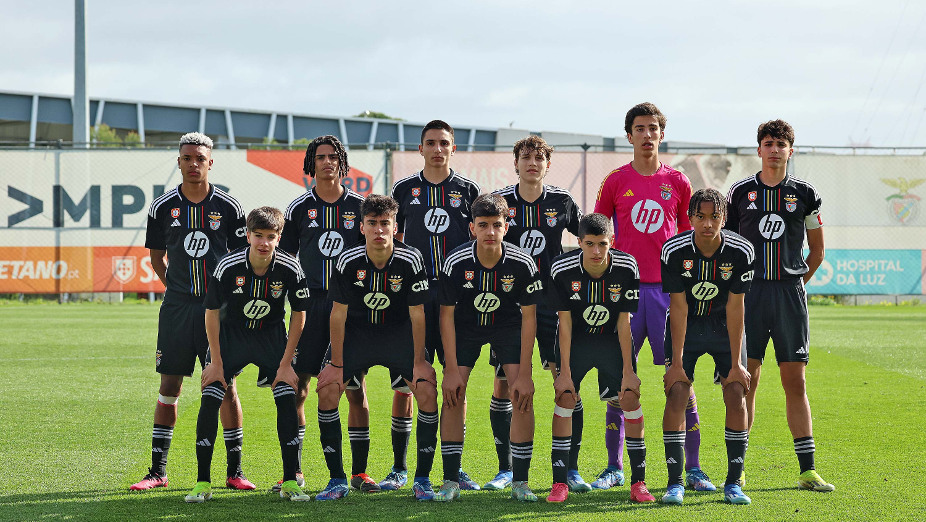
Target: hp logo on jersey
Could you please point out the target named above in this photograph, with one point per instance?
(486, 302)
(771, 226)
(256, 309)
(330, 243)
(376, 301)
(704, 291)
(196, 244)
(533, 242)
(596, 315)
(647, 216)
(436, 220)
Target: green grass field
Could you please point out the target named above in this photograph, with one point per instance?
(79, 387)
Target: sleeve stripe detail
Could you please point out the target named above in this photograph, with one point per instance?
(228, 261)
(740, 243)
(413, 258)
(288, 215)
(564, 265)
(675, 243)
(349, 255)
(231, 201)
(291, 262)
(457, 257)
(160, 200)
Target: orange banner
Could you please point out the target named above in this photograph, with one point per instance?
(45, 270)
(50, 270)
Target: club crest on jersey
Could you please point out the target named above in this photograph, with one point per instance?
(790, 203)
(615, 293)
(576, 286)
(726, 270)
(688, 263)
(239, 280)
(395, 283)
(469, 275)
(666, 191)
(507, 283)
(416, 192)
(512, 212)
(551, 218)
(175, 213)
(361, 275)
(276, 289)
(348, 220)
(215, 221)
(455, 200)
(313, 213)
(752, 195)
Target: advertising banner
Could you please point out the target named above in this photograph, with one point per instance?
(74, 221)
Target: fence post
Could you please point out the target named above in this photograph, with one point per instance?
(585, 147)
(387, 168)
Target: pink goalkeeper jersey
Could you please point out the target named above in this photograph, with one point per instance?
(646, 211)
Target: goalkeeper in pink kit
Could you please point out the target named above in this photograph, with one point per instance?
(648, 203)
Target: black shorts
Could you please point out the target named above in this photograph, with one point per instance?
(181, 335)
(263, 348)
(705, 335)
(313, 344)
(604, 353)
(390, 346)
(777, 310)
(547, 341)
(432, 338)
(504, 341)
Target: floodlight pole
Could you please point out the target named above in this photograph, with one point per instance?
(81, 107)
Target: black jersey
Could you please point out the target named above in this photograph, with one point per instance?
(773, 219)
(377, 296)
(595, 303)
(195, 235)
(252, 301)
(707, 281)
(434, 218)
(537, 227)
(489, 296)
(318, 231)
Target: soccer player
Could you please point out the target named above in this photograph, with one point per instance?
(489, 293)
(320, 224)
(706, 271)
(773, 210)
(595, 290)
(434, 217)
(648, 202)
(538, 215)
(378, 290)
(249, 288)
(194, 225)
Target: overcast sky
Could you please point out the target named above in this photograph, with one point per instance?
(841, 72)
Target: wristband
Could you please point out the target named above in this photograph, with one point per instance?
(335, 365)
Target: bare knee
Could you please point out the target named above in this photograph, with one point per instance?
(678, 396)
(734, 396)
(500, 388)
(328, 397)
(630, 402)
(231, 394)
(356, 398)
(792, 378)
(302, 392)
(426, 394)
(171, 385)
(567, 400)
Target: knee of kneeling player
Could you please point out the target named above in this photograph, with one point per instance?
(678, 395)
(629, 402)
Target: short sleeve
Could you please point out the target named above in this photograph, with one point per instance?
(604, 204)
(672, 282)
(532, 292)
(299, 293)
(154, 235)
(631, 295)
(337, 287)
(237, 234)
(419, 293)
(215, 296)
(742, 275)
